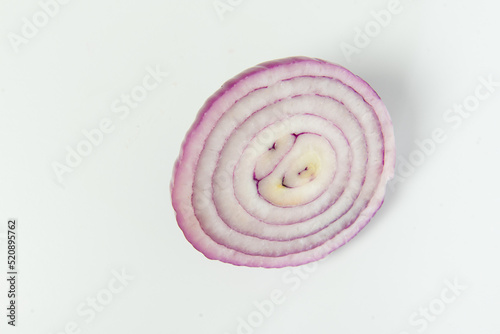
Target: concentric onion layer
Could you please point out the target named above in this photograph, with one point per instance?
(284, 164)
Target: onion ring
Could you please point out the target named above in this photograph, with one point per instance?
(285, 163)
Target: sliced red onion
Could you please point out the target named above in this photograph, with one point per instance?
(284, 164)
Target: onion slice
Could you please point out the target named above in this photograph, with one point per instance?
(285, 163)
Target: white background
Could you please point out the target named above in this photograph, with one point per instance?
(112, 213)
